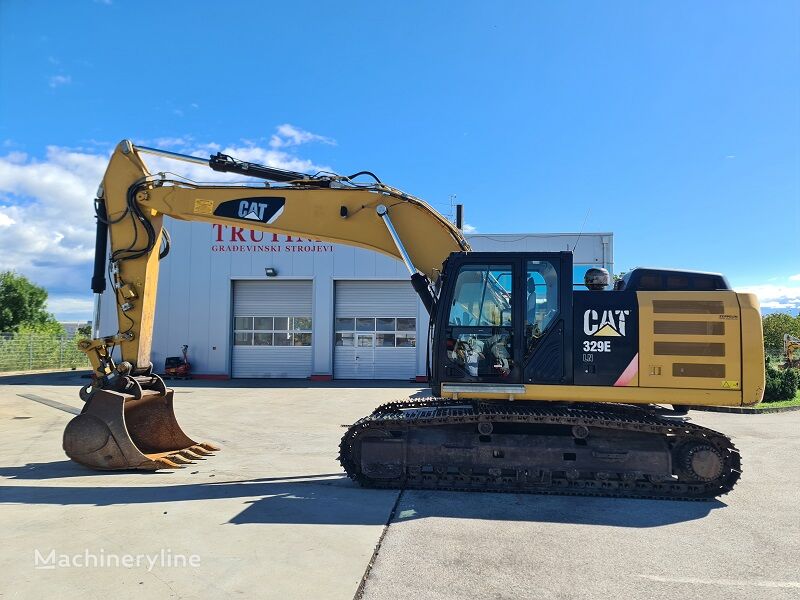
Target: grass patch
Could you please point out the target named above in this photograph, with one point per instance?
(782, 403)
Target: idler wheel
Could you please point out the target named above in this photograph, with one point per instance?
(703, 462)
(485, 428)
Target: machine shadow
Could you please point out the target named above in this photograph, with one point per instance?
(332, 499)
(67, 468)
(574, 510)
(59, 469)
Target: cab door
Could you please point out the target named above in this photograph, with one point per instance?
(504, 318)
(547, 337)
(476, 326)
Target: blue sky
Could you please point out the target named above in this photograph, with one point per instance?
(674, 125)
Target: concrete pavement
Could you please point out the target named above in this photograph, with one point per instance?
(746, 545)
(271, 516)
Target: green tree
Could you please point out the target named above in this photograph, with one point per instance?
(775, 326)
(23, 306)
(85, 331)
(781, 384)
(51, 328)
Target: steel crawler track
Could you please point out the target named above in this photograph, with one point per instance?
(401, 419)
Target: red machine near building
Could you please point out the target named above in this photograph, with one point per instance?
(177, 367)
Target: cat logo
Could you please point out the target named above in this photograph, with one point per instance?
(254, 210)
(605, 323)
(260, 210)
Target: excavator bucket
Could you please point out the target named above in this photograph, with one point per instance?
(118, 431)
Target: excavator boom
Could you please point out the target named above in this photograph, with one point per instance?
(128, 420)
(330, 209)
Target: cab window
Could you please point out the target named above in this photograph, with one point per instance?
(541, 306)
(480, 314)
(482, 297)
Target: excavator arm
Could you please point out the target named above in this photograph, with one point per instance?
(328, 208)
(128, 420)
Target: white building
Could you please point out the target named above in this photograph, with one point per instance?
(250, 304)
(71, 327)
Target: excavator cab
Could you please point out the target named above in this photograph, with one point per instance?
(504, 318)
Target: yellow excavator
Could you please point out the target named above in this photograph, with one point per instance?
(536, 386)
(791, 350)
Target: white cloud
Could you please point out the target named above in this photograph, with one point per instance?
(46, 212)
(775, 296)
(59, 80)
(16, 157)
(171, 142)
(47, 215)
(289, 135)
(470, 228)
(794, 277)
(247, 151)
(70, 305)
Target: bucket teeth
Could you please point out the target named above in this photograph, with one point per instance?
(209, 447)
(167, 463)
(200, 450)
(191, 454)
(179, 458)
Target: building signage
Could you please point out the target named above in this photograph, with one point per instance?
(239, 239)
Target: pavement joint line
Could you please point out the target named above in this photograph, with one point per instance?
(360, 591)
(51, 403)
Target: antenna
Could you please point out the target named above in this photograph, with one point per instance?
(580, 233)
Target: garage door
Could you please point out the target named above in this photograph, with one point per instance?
(272, 329)
(375, 330)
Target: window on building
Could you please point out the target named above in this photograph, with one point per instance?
(272, 331)
(380, 332)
